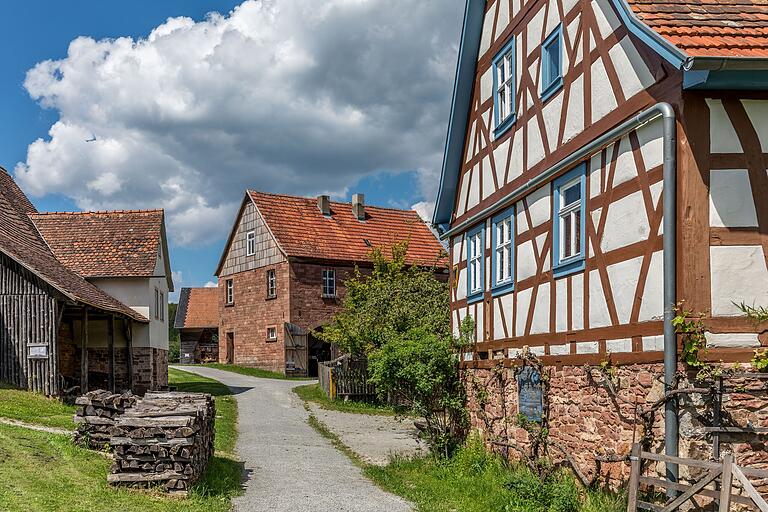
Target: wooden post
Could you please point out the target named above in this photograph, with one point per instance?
(84, 353)
(111, 346)
(634, 476)
(129, 349)
(725, 482)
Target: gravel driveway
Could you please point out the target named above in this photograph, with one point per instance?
(290, 467)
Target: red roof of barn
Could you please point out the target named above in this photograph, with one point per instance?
(198, 308)
(709, 28)
(301, 230)
(104, 244)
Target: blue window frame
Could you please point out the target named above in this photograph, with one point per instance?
(569, 210)
(476, 263)
(503, 256)
(504, 91)
(552, 63)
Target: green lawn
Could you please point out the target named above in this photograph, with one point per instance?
(314, 393)
(473, 481)
(251, 372)
(44, 472)
(34, 408)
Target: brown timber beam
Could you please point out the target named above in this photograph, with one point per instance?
(84, 353)
(129, 350)
(111, 346)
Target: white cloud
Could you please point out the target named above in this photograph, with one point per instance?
(211, 284)
(178, 281)
(424, 209)
(295, 96)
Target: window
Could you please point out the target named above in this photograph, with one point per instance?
(329, 282)
(157, 304)
(271, 284)
(504, 88)
(503, 250)
(230, 286)
(271, 333)
(552, 63)
(569, 210)
(475, 263)
(161, 307)
(250, 243)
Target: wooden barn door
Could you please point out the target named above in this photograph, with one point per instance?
(295, 350)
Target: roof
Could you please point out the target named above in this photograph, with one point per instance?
(198, 308)
(123, 243)
(301, 230)
(20, 240)
(709, 28)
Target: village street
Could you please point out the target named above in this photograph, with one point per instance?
(290, 466)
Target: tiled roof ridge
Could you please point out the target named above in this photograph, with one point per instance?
(99, 212)
(342, 203)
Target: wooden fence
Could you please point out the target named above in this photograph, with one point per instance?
(719, 476)
(347, 378)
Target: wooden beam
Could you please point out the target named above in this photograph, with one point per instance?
(111, 346)
(84, 353)
(129, 350)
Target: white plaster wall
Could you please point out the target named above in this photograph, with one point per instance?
(526, 261)
(633, 72)
(652, 307)
(607, 22)
(540, 322)
(626, 224)
(456, 252)
(540, 205)
(732, 340)
(561, 305)
(618, 346)
(574, 123)
(577, 302)
(626, 169)
(587, 347)
(461, 285)
(479, 326)
(602, 92)
(739, 274)
(651, 139)
(624, 276)
(730, 199)
(653, 343)
(488, 184)
(757, 110)
(559, 350)
(598, 309)
(523, 303)
(722, 135)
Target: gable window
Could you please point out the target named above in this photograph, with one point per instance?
(552, 63)
(271, 284)
(230, 291)
(329, 282)
(157, 304)
(250, 243)
(475, 263)
(569, 211)
(271, 333)
(503, 250)
(504, 88)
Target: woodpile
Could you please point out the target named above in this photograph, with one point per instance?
(164, 440)
(96, 414)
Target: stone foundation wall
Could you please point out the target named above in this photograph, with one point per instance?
(150, 369)
(586, 419)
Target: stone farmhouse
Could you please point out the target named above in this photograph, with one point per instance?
(605, 160)
(283, 270)
(83, 297)
(197, 319)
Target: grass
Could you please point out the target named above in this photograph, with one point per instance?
(474, 481)
(251, 372)
(34, 408)
(42, 472)
(314, 393)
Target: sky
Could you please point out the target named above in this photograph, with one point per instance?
(183, 104)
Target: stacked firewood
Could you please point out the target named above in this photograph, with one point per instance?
(96, 414)
(165, 440)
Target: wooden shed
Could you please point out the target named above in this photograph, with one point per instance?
(197, 319)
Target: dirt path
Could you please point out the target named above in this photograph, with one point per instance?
(290, 466)
(30, 426)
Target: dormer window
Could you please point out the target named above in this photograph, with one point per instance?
(552, 63)
(250, 243)
(504, 88)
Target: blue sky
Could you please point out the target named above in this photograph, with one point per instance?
(290, 96)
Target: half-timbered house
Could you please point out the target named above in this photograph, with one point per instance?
(283, 271)
(605, 160)
(83, 297)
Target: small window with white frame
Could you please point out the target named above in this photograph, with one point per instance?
(329, 282)
(271, 333)
(569, 206)
(230, 291)
(504, 75)
(271, 284)
(250, 243)
(503, 249)
(475, 263)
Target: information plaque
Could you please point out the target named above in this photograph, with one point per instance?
(530, 396)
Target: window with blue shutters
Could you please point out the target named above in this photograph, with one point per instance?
(569, 223)
(504, 75)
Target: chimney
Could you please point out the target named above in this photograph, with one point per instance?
(358, 206)
(324, 203)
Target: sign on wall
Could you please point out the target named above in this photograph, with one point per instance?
(530, 395)
(37, 351)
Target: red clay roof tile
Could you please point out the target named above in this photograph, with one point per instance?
(198, 308)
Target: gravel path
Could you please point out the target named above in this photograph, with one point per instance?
(374, 438)
(290, 467)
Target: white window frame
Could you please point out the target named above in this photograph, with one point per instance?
(504, 89)
(250, 243)
(572, 211)
(503, 250)
(271, 283)
(329, 282)
(475, 263)
(271, 333)
(229, 286)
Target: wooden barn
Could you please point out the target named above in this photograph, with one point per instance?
(605, 160)
(60, 331)
(197, 319)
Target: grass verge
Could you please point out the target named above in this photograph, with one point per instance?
(34, 408)
(314, 393)
(251, 372)
(41, 471)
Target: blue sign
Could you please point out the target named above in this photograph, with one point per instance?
(530, 395)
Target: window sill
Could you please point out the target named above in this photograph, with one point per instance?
(568, 267)
(229, 305)
(503, 288)
(551, 89)
(476, 297)
(271, 340)
(503, 127)
(324, 296)
(270, 297)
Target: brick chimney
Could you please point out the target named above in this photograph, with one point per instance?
(358, 206)
(324, 204)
